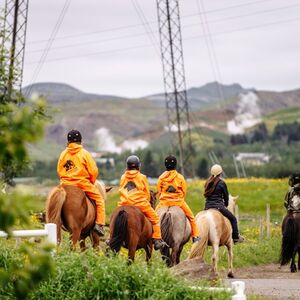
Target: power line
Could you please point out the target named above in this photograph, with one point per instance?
(150, 22)
(185, 39)
(146, 25)
(49, 43)
(142, 34)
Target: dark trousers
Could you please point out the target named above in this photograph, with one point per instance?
(226, 213)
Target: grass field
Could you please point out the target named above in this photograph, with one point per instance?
(95, 276)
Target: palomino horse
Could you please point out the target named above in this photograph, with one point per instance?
(175, 231)
(216, 231)
(68, 207)
(290, 244)
(131, 229)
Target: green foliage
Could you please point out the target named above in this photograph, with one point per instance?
(93, 276)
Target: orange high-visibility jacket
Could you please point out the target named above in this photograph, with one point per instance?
(76, 166)
(134, 189)
(171, 188)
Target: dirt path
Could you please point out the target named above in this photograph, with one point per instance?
(269, 281)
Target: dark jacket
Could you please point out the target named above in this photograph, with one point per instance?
(219, 198)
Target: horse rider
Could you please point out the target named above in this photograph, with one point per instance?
(292, 197)
(172, 188)
(134, 190)
(77, 167)
(216, 196)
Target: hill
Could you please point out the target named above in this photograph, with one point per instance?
(107, 122)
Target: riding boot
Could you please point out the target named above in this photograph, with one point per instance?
(99, 229)
(196, 239)
(159, 243)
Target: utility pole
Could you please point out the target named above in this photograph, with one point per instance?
(174, 79)
(13, 43)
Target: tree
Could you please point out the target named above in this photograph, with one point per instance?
(21, 122)
(149, 166)
(202, 168)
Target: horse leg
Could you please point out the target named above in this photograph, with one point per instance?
(298, 258)
(230, 259)
(74, 238)
(214, 257)
(95, 239)
(293, 264)
(178, 254)
(82, 244)
(148, 250)
(174, 256)
(132, 245)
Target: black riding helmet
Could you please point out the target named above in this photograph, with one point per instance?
(294, 179)
(170, 162)
(133, 162)
(74, 136)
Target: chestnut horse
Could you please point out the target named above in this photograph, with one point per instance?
(290, 244)
(215, 231)
(131, 229)
(175, 231)
(69, 208)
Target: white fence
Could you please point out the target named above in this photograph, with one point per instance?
(238, 287)
(49, 232)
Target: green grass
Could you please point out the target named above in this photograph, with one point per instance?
(95, 276)
(287, 115)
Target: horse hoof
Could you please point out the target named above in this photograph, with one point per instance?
(294, 270)
(230, 275)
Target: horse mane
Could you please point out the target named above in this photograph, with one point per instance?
(54, 204)
(101, 187)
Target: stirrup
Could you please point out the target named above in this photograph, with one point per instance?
(196, 239)
(159, 243)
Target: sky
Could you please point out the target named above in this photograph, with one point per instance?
(112, 47)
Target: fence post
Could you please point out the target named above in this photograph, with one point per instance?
(261, 228)
(238, 287)
(268, 221)
(52, 233)
(237, 214)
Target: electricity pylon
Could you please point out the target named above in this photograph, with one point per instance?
(13, 27)
(174, 79)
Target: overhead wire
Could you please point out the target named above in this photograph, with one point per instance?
(185, 39)
(149, 22)
(146, 25)
(49, 43)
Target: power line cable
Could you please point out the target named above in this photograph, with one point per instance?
(142, 34)
(49, 43)
(146, 25)
(185, 39)
(151, 22)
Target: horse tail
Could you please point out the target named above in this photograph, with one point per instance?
(120, 231)
(288, 244)
(166, 226)
(199, 248)
(54, 205)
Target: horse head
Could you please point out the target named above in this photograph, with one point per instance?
(232, 203)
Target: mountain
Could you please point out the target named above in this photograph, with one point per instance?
(109, 120)
(59, 92)
(206, 95)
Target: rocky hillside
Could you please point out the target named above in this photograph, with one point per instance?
(108, 121)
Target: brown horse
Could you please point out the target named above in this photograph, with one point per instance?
(69, 208)
(216, 231)
(290, 244)
(175, 231)
(131, 229)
